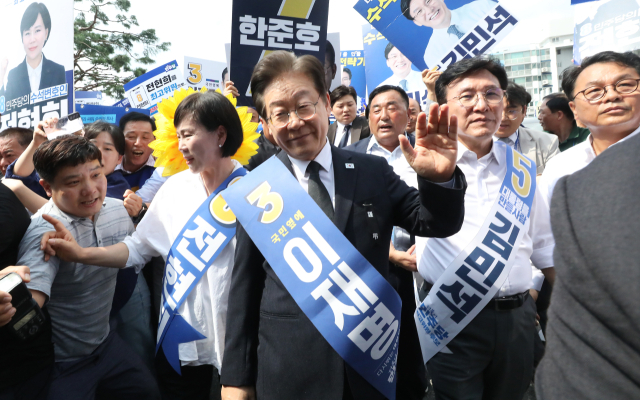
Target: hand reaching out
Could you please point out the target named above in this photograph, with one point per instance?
(132, 203)
(60, 243)
(229, 88)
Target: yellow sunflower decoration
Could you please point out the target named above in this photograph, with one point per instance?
(165, 147)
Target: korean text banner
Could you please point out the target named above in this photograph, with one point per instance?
(606, 25)
(93, 98)
(353, 74)
(147, 90)
(260, 27)
(441, 32)
(200, 73)
(92, 113)
(385, 65)
(36, 61)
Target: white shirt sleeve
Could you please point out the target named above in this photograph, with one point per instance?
(540, 233)
(145, 241)
(537, 278)
(148, 191)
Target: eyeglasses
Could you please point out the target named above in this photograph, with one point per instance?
(623, 86)
(511, 114)
(491, 96)
(304, 111)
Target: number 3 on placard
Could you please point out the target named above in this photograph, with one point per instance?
(262, 197)
(518, 161)
(195, 74)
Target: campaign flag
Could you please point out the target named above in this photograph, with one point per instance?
(44, 49)
(92, 113)
(385, 65)
(606, 25)
(92, 97)
(147, 90)
(260, 27)
(437, 33)
(200, 73)
(353, 75)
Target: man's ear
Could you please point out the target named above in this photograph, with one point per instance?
(572, 106)
(120, 158)
(47, 187)
(560, 115)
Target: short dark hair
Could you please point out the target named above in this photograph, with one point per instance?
(570, 75)
(559, 102)
(348, 71)
(388, 49)
(404, 8)
(224, 72)
(94, 130)
(331, 52)
(136, 117)
(342, 91)
(212, 110)
(65, 151)
(280, 62)
(467, 67)
(31, 15)
(516, 95)
(23, 135)
(386, 88)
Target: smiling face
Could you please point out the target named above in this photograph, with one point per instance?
(345, 109)
(110, 156)
(301, 139)
(78, 190)
(10, 150)
(430, 13)
(137, 136)
(399, 64)
(200, 147)
(615, 113)
(388, 118)
(33, 39)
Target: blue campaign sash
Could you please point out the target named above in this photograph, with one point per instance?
(478, 272)
(201, 240)
(347, 300)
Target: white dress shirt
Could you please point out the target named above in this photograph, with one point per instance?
(414, 81)
(150, 162)
(484, 178)
(151, 186)
(513, 140)
(340, 133)
(34, 75)
(374, 148)
(205, 309)
(325, 160)
(465, 19)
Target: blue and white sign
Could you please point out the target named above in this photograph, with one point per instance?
(147, 90)
(90, 113)
(93, 98)
(199, 73)
(347, 300)
(353, 74)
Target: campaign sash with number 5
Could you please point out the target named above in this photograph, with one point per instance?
(345, 297)
(478, 272)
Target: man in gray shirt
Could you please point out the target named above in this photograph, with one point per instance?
(88, 357)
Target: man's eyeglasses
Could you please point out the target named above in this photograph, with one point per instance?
(511, 114)
(304, 111)
(594, 93)
(491, 96)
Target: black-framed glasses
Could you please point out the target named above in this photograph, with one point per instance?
(623, 86)
(492, 96)
(304, 111)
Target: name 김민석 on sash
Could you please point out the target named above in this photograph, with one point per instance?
(201, 240)
(478, 272)
(345, 297)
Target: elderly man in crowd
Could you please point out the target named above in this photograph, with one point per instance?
(557, 117)
(13, 142)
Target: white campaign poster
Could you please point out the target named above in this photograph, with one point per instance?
(334, 39)
(38, 37)
(199, 72)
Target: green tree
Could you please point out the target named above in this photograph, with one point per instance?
(107, 47)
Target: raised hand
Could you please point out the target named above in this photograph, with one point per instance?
(434, 156)
(60, 243)
(229, 88)
(132, 203)
(429, 78)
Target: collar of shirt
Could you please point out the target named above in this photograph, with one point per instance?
(513, 137)
(497, 154)
(150, 162)
(35, 74)
(456, 19)
(325, 160)
(375, 149)
(339, 133)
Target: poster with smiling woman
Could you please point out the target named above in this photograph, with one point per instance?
(36, 61)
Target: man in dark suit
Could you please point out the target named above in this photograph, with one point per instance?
(272, 349)
(348, 128)
(267, 147)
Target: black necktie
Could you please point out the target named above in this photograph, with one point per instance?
(345, 137)
(318, 191)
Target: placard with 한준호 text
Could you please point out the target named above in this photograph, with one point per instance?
(438, 33)
(147, 90)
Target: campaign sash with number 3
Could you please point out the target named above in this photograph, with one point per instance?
(199, 243)
(478, 272)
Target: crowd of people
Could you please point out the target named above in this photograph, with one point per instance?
(88, 224)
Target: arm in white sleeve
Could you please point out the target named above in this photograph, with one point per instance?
(148, 191)
(540, 233)
(537, 278)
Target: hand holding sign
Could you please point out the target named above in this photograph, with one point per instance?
(434, 156)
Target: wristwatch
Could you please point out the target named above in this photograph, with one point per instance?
(136, 220)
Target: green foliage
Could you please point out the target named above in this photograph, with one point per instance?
(106, 46)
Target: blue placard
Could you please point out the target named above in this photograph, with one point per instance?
(353, 74)
(90, 113)
(574, 2)
(345, 297)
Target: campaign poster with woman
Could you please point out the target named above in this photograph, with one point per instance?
(36, 61)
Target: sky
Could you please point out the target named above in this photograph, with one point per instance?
(201, 29)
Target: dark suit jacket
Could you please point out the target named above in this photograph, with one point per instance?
(270, 343)
(593, 334)
(359, 130)
(266, 149)
(361, 146)
(18, 81)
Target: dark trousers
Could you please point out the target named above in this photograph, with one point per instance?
(201, 382)
(492, 357)
(36, 387)
(112, 371)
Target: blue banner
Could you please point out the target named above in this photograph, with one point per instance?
(322, 271)
(438, 33)
(259, 27)
(353, 74)
(574, 2)
(147, 90)
(90, 113)
(202, 239)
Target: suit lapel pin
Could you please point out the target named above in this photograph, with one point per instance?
(349, 166)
